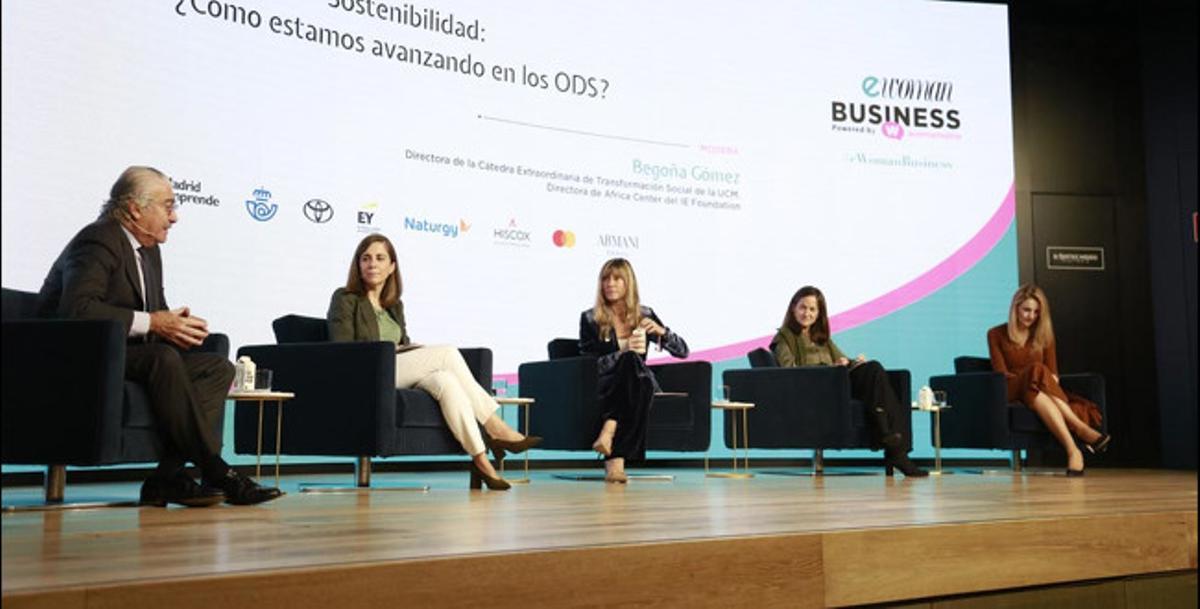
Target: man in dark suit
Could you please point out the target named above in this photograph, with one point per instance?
(112, 269)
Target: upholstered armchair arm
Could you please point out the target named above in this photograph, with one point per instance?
(567, 414)
(215, 343)
(345, 397)
(1091, 386)
(479, 360)
(979, 415)
(66, 376)
(694, 379)
(794, 406)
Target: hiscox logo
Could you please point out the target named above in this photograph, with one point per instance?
(910, 107)
(318, 211)
(366, 217)
(192, 192)
(443, 229)
(511, 235)
(563, 238)
(619, 243)
(260, 207)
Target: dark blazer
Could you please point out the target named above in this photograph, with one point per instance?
(608, 351)
(352, 318)
(96, 277)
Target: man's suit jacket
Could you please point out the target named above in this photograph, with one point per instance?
(96, 277)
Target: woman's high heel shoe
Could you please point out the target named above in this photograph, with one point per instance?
(1100, 445)
(900, 461)
(499, 447)
(478, 479)
(1074, 473)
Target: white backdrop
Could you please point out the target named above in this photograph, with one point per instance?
(744, 91)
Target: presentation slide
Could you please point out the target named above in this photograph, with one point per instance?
(732, 151)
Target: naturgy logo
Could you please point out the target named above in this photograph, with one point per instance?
(425, 226)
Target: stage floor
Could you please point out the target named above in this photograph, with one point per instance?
(770, 540)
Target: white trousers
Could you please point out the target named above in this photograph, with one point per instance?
(440, 370)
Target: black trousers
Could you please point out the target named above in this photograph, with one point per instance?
(869, 383)
(625, 396)
(187, 393)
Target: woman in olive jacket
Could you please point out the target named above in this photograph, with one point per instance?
(369, 309)
(804, 340)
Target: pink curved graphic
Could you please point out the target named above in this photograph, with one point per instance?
(927, 283)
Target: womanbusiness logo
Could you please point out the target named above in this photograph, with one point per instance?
(916, 104)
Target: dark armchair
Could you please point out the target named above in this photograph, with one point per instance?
(65, 397)
(568, 412)
(805, 408)
(346, 399)
(984, 418)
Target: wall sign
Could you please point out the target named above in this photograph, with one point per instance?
(1070, 258)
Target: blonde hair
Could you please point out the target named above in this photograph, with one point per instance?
(633, 310)
(1041, 333)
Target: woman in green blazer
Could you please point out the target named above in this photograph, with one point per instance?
(369, 309)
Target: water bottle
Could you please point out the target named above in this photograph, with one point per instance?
(243, 374)
(925, 398)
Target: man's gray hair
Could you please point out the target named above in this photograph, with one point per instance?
(131, 186)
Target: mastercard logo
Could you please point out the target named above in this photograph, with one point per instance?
(564, 238)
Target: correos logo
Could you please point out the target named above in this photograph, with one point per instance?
(260, 207)
(564, 238)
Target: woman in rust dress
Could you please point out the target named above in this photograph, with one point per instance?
(1023, 349)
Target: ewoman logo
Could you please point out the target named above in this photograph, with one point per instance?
(908, 89)
(563, 238)
(259, 207)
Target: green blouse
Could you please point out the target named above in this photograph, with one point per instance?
(793, 349)
(389, 330)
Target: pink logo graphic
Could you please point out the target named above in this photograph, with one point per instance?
(893, 130)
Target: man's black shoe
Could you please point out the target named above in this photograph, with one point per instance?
(240, 490)
(178, 488)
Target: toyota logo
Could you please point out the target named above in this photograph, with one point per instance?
(318, 211)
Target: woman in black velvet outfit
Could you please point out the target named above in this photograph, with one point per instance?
(617, 331)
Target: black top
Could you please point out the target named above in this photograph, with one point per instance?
(607, 351)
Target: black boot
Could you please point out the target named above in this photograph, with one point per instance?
(898, 459)
(883, 430)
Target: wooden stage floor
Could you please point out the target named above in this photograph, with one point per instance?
(768, 541)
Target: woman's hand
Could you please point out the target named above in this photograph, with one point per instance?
(637, 341)
(651, 327)
(841, 361)
(861, 358)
